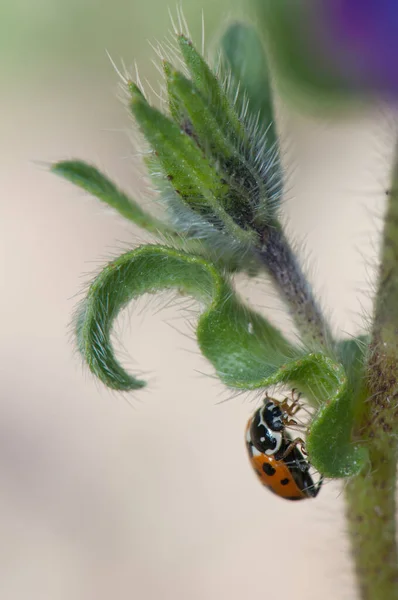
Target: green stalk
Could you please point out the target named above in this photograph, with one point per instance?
(285, 271)
(371, 525)
(371, 496)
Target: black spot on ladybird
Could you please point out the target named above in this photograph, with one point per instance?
(284, 481)
(268, 469)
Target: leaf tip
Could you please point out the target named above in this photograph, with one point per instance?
(57, 167)
(170, 71)
(183, 39)
(135, 92)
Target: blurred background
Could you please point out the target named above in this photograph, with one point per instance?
(151, 495)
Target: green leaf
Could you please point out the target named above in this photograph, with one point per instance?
(176, 108)
(330, 444)
(245, 349)
(134, 89)
(183, 162)
(351, 353)
(93, 181)
(208, 85)
(193, 177)
(245, 65)
(205, 125)
(243, 183)
(243, 55)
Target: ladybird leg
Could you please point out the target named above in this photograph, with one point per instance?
(267, 397)
(293, 444)
(285, 407)
(295, 425)
(271, 399)
(296, 395)
(294, 407)
(318, 486)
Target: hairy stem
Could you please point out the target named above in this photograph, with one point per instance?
(286, 273)
(371, 496)
(371, 524)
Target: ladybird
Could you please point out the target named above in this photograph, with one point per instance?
(275, 456)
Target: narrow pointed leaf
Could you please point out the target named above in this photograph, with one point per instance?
(244, 56)
(205, 125)
(207, 83)
(96, 183)
(245, 185)
(182, 161)
(176, 107)
(192, 175)
(134, 89)
(244, 61)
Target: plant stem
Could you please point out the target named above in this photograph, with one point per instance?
(285, 271)
(371, 496)
(371, 524)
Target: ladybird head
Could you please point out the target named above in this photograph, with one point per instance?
(272, 415)
(266, 440)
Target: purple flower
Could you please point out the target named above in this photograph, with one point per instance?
(360, 37)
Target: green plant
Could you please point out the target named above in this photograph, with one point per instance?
(214, 158)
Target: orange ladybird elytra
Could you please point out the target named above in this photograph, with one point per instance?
(275, 456)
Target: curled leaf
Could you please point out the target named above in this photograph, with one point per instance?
(330, 444)
(245, 349)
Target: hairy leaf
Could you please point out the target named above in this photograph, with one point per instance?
(243, 55)
(244, 185)
(96, 183)
(330, 440)
(205, 125)
(209, 86)
(176, 108)
(246, 351)
(244, 348)
(192, 175)
(245, 66)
